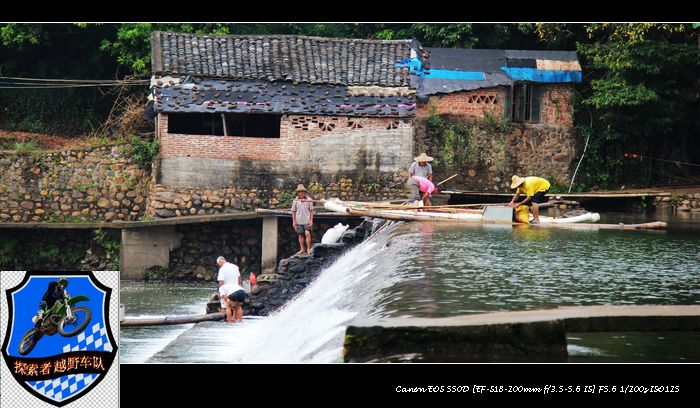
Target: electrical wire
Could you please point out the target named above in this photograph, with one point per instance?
(47, 83)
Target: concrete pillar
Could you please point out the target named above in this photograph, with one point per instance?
(143, 248)
(269, 245)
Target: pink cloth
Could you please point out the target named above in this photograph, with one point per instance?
(425, 185)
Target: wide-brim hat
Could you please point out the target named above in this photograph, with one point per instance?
(300, 187)
(516, 181)
(423, 158)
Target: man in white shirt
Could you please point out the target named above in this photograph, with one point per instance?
(228, 272)
(232, 297)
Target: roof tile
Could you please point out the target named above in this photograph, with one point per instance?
(282, 57)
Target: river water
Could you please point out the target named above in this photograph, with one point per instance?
(442, 269)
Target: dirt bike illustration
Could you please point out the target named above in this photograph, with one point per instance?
(62, 317)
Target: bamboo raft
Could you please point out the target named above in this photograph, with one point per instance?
(466, 213)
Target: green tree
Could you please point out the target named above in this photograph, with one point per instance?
(132, 45)
(642, 91)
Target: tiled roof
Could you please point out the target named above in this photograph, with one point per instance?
(279, 97)
(298, 59)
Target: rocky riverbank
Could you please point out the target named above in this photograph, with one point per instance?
(295, 273)
(683, 202)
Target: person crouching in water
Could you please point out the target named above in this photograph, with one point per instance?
(232, 296)
(535, 188)
(421, 188)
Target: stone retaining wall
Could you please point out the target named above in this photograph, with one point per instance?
(684, 202)
(101, 183)
(168, 201)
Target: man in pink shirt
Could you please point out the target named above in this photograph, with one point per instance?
(421, 189)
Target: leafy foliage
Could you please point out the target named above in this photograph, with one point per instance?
(143, 151)
(643, 82)
(110, 245)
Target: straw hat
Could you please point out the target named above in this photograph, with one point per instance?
(300, 187)
(423, 158)
(516, 181)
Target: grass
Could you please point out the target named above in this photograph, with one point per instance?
(27, 147)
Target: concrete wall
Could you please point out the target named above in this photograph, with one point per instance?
(504, 336)
(146, 248)
(309, 147)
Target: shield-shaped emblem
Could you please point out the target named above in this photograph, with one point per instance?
(58, 342)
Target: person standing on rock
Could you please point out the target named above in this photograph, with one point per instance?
(303, 218)
(420, 167)
(228, 272)
(535, 188)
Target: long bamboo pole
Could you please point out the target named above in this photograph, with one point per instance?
(171, 320)
(448, 179)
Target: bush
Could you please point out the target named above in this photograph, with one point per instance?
(26, 147)
(143, 151)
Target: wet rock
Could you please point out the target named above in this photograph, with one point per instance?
(297, 267)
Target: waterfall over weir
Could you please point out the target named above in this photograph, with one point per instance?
(310, 328)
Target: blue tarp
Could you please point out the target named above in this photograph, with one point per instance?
(537, 75)
(416, 67)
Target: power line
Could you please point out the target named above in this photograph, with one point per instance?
(77, 80)
(49, 83)
(640, 157)
(66, 86)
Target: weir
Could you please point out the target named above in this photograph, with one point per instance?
(476, 337)
(413, 270)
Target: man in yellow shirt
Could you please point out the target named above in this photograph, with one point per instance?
(535, 188)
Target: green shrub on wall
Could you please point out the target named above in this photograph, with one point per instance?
(143, 151)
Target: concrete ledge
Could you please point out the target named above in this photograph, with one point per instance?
(526, 333)
(189, 219)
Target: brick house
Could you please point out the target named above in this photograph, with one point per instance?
(523, 86)
(242, 119)
(530, 89)
(251, 111)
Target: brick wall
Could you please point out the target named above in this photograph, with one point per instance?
(555, 105)
(294, 131)
(470, 104)
(322, 148)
